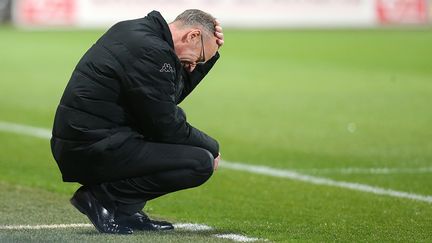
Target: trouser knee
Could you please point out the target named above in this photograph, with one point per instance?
(206, 161)
(204, 169)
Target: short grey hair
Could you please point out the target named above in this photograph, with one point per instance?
(196, 17)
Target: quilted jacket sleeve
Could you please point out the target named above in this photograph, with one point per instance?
(191, 80)
(150, 95)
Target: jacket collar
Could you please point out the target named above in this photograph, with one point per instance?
(163, 27)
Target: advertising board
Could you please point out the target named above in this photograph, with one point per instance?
(232, 13)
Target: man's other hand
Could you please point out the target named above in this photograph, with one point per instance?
(216, 162)
(189, 67)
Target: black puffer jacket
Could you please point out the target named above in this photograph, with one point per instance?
(127, 85)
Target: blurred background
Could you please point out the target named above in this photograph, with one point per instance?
(335, 89)
(233, 13)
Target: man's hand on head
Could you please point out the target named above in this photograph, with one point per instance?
(219, 34)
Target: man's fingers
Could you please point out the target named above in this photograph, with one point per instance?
(191, 68)
(218, 28)
(219, 35)
(216, 162)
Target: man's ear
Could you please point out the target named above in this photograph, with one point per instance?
(193, 35)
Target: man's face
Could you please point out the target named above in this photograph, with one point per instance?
(196, 48)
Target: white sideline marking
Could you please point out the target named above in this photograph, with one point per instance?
(235, 237)
(180, 226)
(376, 171)
(192, 227)
(44, 226)
(263, 170)
(25, 130)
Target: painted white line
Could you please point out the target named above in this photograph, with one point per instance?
(46, 134)
(264, 170)
(376, 171)
(179, 226)
(255, 169)
(25, 130)
(203, 227)
(192, 227)
(238, 238)
(44, 226)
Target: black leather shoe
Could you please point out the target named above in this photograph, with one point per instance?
(101, 218)
(140, 221)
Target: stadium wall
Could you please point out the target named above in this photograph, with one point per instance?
(232, 13)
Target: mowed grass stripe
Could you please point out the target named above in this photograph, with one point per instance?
(285, 99)
(179, 226)
(262, 170)
(232, 202)
(31, 202)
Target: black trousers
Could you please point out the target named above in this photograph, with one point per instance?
(150, 171)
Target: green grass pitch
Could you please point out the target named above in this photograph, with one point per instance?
(319, 102)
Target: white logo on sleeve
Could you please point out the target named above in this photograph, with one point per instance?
(166, 68)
